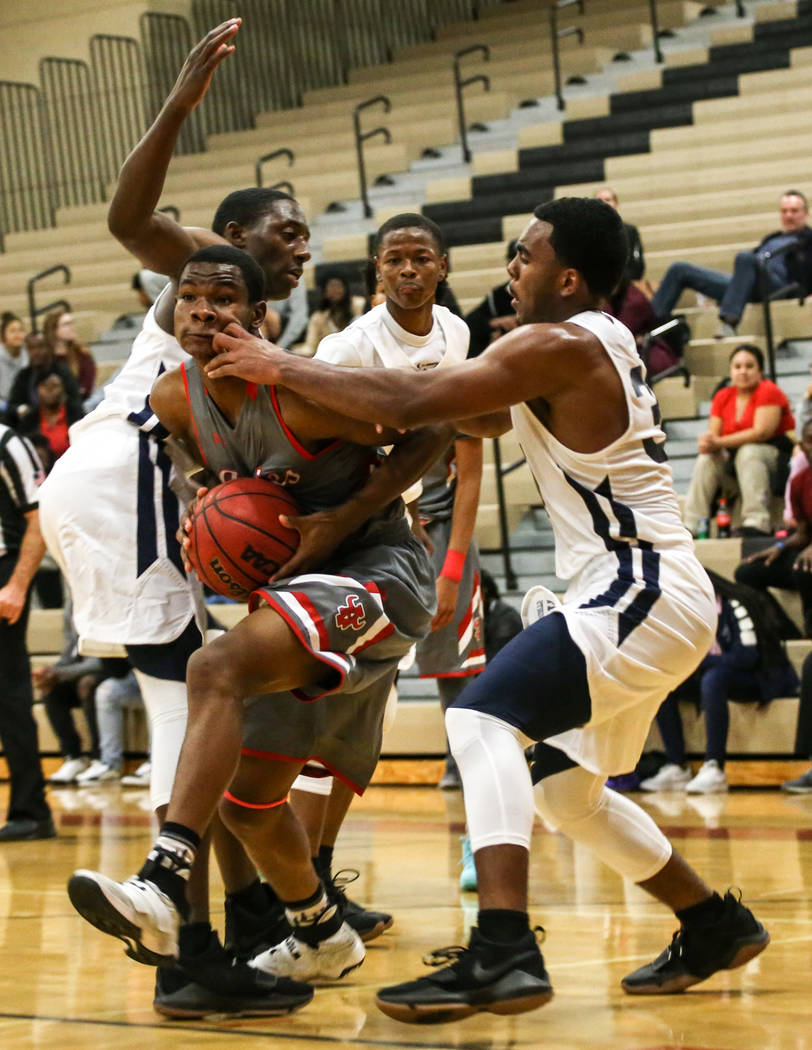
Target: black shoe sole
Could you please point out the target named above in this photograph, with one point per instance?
(441, 1013)
(745, 949)
(219, 1006)
(88, 899)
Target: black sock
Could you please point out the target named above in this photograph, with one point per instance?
(256, 897)
(169, 863)
(503, 926)
(703, 914)
(314, 918)
(326, 861)
(182, 833)
(194, 937)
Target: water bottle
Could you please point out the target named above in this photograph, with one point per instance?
(723, 520)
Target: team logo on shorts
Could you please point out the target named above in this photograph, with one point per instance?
(351, 615)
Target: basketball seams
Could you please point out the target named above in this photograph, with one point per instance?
(254, 527)
(228, 562)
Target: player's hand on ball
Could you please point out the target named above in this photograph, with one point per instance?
(241, 354)
(320, 533)
(184, 533)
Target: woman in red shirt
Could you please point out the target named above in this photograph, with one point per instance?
(741, 449)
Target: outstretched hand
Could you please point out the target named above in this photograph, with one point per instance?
(195, 76)
(241, 354)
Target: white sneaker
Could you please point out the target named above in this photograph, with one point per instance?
(669, 777)
(135, 911)
(140, 778)
(708, 780)
(330, 959)
(69, 770)
(98, 772)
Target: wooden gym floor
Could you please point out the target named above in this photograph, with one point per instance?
(65, 986)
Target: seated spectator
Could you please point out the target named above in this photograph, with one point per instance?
(13, 355)
(788, 562)
(61, 338)
(802, 785)
(337, 309)
(285, 320)
(799, 462)
(745, 446)
(733, 292)
(23, 397)
(636, 263)
(53, 415)
(630, 306)
(494, 316)
(70, 682)
(747, 663)
(114, 694)
(148, 285)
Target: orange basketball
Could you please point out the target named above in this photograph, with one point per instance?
(237, 539)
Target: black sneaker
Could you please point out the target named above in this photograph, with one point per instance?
(485, 976)
(213, 981)
(802, 785)
(367, 924)
(696, 952)
(248, 934)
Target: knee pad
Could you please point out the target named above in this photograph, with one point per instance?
(165, 702)
(496, 781)
(579, 805)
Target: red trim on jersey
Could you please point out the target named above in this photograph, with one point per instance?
(469, 615)
(302, 598)
(456, 674)
(254, 805)
(292, 437)
(383, 633)
(251, 390)
(251, 752)
(191, 413)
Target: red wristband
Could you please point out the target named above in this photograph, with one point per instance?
(453, 565)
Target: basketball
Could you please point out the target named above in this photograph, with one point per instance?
(237, 539)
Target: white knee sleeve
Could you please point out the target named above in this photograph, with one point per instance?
(167, 709)
(577, 803)
(313, 785)
(495, 779)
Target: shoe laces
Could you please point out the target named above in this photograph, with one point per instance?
(453, 953)
(338, 882)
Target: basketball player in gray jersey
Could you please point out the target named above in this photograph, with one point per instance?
(586, 680)
(338, 632)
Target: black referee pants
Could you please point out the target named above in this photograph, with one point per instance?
(18, 730)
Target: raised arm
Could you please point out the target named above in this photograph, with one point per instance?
(153, 237)
(514, 369)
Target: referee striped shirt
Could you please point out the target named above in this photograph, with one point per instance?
(20, 476)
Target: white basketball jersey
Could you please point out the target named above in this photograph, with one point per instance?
(153, 351)
(619, 497)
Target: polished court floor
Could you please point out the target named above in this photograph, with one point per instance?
(65, 986)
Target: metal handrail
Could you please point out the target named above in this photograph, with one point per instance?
(171, 209)
(34, 311)
(557, 34)
(360, 139)
(283, 152)
(284, 184)
(655, 31)
(460, 84)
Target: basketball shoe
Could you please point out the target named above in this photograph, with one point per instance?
(367, 924)
(135, 911)
(484, 977)
(255, 921)
(698, 950)
(208, 979)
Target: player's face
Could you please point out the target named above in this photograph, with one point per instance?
(210, 297)
(745, 373)
(278, 240)
(409, 267)
(794, 213)
(537, 278)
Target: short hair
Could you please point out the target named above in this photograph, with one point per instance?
(511, 248)
(406, 220)
(246, 206)
(226, 253)
(751, 348)
(796, 193)
(588, 235)
(7, 318)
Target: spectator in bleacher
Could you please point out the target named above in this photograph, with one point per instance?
(493, 316)
(338, 308)
(791, 269)
(285, 320)
(802, 785)
(41, 362)
(53, 415)
(747, 663)
(744, 447)
(148, 285)
(630, 306)
(788, 562)
(61, 338)
(21, 551)
(70, 682)
(799, 462)
(636, 262)
(13, 355)
(114, 694)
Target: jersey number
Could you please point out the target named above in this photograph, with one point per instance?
(654, 449)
